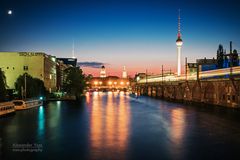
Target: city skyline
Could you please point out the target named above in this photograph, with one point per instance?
(137, 34)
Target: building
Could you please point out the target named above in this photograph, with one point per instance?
(223, 60)
(110, 82)
(103, 73)
(37, 64)
(124, 73)
(105, 82)
(207, 64)
(179, 44)
(60, 74)
(62, 64)
(69, 61)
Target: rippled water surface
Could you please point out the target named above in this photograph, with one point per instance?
(120, 126)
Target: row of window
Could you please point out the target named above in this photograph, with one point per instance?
(6, 108)
(25, 68)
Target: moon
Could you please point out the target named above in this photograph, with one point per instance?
(9, 12)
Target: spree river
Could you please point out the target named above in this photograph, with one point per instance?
(120, 126)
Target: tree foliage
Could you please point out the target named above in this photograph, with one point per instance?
(74, 83)
(35, 86)
(3, 86)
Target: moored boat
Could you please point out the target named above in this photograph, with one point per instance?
(22, 105)
(6, 108)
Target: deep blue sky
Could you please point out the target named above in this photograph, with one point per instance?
(140, 34)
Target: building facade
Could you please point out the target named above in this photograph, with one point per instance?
(104, 82)
(37, 64)
(109, 83)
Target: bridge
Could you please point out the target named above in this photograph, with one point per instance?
(218, 87)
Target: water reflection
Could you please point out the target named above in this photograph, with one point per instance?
(109, 126)
(41, 121)
(178, 125)
(177, 131)
(55, 112)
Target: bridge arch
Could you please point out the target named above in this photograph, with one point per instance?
(197, 92)
(210, 93)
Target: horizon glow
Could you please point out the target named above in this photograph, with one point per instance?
(140, 35)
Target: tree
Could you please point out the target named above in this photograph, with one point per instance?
(75, 82)
(3, 86)
(35, 86)
(88, 79)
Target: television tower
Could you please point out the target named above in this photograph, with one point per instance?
(179, 44)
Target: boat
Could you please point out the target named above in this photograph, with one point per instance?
(6, 108)
(22, 105)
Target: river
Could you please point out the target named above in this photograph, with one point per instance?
(120, 126)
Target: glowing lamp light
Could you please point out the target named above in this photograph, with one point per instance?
(96, 82)
(110, 83)
(115, 83)
(100, 83)
(121, 83)
(138, 78)
(41, 98)
(127, 83)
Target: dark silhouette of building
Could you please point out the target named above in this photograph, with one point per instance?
(225, 60)
(69, 61)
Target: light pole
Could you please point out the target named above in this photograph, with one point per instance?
(25, 85)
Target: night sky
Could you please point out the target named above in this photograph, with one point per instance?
(139, 34)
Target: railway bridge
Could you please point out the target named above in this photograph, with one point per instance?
(222, 92)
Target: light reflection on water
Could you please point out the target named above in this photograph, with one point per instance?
(177, 131)
(116, 125)
(109, 126)
(41, 121)
(177, 125)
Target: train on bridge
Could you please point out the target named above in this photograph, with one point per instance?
(224, 73)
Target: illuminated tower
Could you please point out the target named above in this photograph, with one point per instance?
(124, 73)
(103, 72)
(179, 44)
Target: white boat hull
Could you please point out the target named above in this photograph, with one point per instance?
(6, 108)
(22, 105)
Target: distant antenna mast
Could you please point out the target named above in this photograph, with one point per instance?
(73, 52)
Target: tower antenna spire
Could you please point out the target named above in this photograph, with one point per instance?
(179, 24)
(73, 50)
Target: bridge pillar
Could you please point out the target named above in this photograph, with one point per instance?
(154, 91)
(149, 91)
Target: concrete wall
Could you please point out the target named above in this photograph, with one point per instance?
(223, 93)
